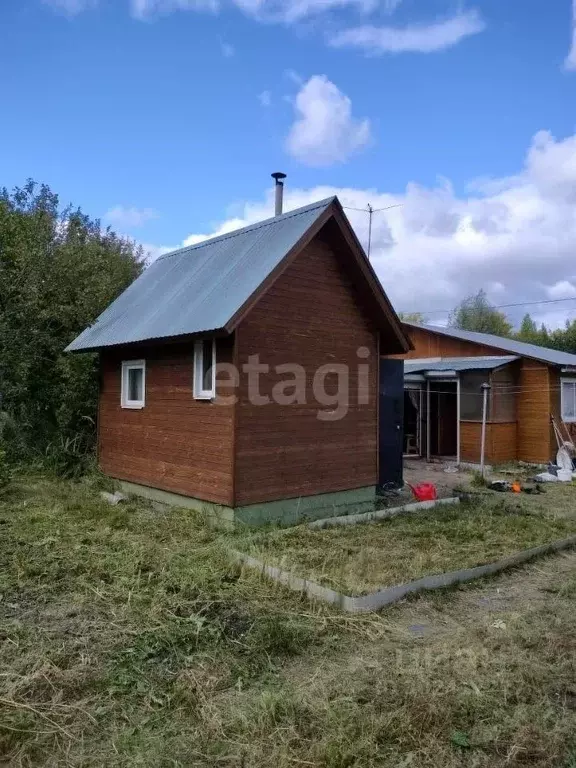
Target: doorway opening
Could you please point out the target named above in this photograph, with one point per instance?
(413, 402)
(431, 419)
(443, 418)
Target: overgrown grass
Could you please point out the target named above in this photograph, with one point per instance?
(362, 558)
(128, 639)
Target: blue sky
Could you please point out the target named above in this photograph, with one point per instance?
(166, 117)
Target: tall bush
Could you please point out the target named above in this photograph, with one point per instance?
(58, 271)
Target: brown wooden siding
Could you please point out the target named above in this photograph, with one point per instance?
(429, 344)
(537, 386)
(501, 440)
(311, 316)
(534, 431)
(175, 442)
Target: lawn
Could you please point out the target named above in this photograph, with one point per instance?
(363, 558)
(556, 498)
(127, 638)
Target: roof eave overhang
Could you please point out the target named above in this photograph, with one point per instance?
(160, 340)
(441, 374)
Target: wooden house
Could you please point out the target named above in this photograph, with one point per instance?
(443, 378)
(241, 374)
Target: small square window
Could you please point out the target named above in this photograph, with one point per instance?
(205, 369)
(568, 399)
(133, 384)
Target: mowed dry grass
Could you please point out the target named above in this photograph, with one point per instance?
(128, 639)
(363, 558)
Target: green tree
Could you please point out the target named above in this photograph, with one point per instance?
(58, 271)
(529, 331)
(563, 339)
(477, 314)
(531, 334)
(412, 317)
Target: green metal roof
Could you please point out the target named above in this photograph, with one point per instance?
(202, 287)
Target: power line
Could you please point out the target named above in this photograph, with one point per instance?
(371, 211)
(374, 210)
(492, 306)
(387, 208)
(419, 386)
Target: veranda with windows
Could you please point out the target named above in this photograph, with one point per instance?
(444, 404)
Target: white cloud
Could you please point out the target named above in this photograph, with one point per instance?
(570, 62)
(414, 38)
(423, 38)
(70, 7)
(287, 11)
(228, 226)
(563, 289)
(129, 217)
(325, 132)
(265, 98)
(290, 11)
(516, 240)
(154, 252)
(145, 9)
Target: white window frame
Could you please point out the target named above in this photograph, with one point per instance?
(567, 380)
(198, 385)
(130, 365)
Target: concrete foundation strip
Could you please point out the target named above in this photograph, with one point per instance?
(389, 595)
(380, 514)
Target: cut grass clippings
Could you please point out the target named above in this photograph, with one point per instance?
(127, 638)
(360, 559)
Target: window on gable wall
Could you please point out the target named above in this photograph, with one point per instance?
(205, 369)
(133, 385)
(568, 399)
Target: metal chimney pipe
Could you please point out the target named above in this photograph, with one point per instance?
(278, 191)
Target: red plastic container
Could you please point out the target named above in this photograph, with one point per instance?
(424, 492)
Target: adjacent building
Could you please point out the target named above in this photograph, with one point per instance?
(443, 399)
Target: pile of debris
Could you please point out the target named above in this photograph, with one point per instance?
(563, 470)
(515, 486)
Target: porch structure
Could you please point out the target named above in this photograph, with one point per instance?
(443, 403)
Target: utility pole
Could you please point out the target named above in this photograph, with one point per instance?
(370, 212)
(485, 389)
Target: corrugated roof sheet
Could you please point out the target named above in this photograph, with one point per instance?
(457, 363)
(507, 345)
(199, 288)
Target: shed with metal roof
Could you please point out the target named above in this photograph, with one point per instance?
(241, 374)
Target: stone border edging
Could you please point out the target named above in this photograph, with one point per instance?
(389, 595)
(380, 514)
